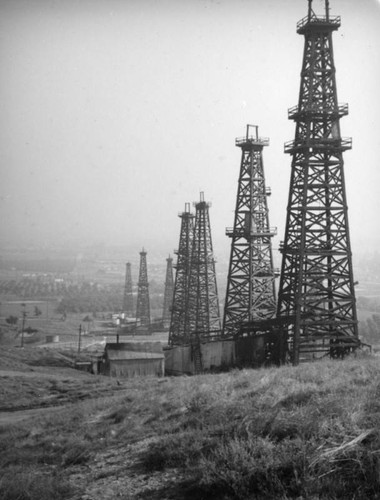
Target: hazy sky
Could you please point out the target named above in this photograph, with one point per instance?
(114, 113)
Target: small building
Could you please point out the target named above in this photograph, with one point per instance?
(215, 356)
(133, 359)
(52, 338)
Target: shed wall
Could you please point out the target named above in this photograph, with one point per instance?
(178, 360)
(215, 355)
(250, 351)
(129, 368)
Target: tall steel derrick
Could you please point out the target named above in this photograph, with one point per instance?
(168, 293)
(317, 285)
(177, 335)
(143, 303)
(128, 296)
(250, 291)
(202, 316)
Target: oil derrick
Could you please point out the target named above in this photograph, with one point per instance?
(168, 294)
(317, 287)
(202, 319)
(250, 291)
(181, 286)
(143, 305)
(128, 297)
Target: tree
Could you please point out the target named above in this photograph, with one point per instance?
(30, 330)
(37, 311)
(12, 320)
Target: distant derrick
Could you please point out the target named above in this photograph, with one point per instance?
(181, 286)
(250, 291)
(168, 294)
(202, 312)
(128, 296)
(317, 285)
(143, 304)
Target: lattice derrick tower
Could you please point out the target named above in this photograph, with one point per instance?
(181, 284)
(128, 296)
(250, 291)
(143, 303)
(317, 286)
(202, 312)
(169, 288)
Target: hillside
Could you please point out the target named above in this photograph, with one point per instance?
(306, 432)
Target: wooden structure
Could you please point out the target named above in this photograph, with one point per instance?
(317, 283)
(133, 359)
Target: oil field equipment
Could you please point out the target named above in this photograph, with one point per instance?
(202, 317)
(128, 296)
(181, 285)
(317, 284)
(202, 311)
(143, 303)
(168, 293)
(250, 291)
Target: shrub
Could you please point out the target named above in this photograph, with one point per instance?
(16, 484)
(350, 470)
(119, 414)
(12, 320)
(77, 453)
(258, 467)
(177, 450)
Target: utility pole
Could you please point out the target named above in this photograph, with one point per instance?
(23, 324)
(80, 338)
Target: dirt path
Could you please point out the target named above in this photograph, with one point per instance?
(49, 373)
(116, 473)
(13, 417)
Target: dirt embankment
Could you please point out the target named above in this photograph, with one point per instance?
(33, 378)
(32, 391)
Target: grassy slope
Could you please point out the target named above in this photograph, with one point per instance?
(38, 378)
(306, 432)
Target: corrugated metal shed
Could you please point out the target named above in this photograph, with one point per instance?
(133, 359)
(214, 355)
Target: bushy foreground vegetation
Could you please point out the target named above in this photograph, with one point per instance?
(307, 432)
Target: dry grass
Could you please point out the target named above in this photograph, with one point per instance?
(306, 432)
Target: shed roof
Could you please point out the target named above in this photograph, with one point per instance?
(135, 346)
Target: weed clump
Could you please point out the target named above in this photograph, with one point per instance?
(32, 485)
(243, 468)
(178, 450)
(77, 453)
(349, 470)
(118, 415)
